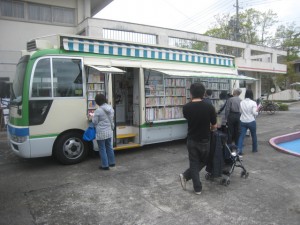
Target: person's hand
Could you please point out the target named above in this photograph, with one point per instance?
(90, 117)
(213, 127)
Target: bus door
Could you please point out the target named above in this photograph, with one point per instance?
(125, 91)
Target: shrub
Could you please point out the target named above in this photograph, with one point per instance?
(283, 107)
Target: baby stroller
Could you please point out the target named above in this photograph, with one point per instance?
(223, 159)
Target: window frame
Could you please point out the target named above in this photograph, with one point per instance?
(26, 15)
(52, 78)
(13, 8)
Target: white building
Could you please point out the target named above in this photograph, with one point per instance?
(21, 21)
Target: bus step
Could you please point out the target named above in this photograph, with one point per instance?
(122, 136)
(126, 146)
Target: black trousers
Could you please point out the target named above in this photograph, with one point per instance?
(198, 156)
(233, 122)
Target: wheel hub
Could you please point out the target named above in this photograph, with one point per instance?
(73, 148)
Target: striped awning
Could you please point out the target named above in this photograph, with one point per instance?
(105, 69)
(132, 50)
(230, 76)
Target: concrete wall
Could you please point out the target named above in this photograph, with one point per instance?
(286, 95)
(255, 61)
(15, 33)
(268, 56)
(14, 36)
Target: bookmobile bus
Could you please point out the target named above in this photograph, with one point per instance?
(58, 77)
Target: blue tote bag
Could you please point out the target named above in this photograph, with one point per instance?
(90, 133)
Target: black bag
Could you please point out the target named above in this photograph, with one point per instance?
(215, 161)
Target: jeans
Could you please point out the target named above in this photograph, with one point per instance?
(106, 152)
(233, 122)
(198, 155)
(244, 127)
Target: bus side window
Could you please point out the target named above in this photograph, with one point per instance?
(41, 84)
(67, 73)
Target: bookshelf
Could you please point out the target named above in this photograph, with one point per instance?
(165, 96)
(95, 85)
(216, 85)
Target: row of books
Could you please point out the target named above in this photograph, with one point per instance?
(154, 114)
(212, 86)
(154, 87)
(92, 94)
(162, 101)
(95, 78)
(175, 91)
(218, 86)
(178, 82)
(175, 100)
(224, 86)
(188, 83)
(154, 90)
(154, 93)
(159, 101)
(96, 87)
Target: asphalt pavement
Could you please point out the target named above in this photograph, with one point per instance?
(144, 187)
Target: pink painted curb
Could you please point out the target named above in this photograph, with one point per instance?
(284, 138)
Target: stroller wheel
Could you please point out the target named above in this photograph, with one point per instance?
(244, 174)
(225, 181)
(208, 176)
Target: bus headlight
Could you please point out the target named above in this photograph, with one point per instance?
(18, 139)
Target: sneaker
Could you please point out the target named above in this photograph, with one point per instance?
(240, 154)
(103, 168)
(112, 165)
(198, 192)
(182, 181)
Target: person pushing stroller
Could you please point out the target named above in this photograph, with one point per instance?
(201, 118)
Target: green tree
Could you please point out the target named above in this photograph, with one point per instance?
(254, 26)
(284, 80)
(248, 26)
(223, 27)
(287, 38)
(268, 20)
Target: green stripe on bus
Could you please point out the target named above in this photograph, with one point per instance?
(43, 136)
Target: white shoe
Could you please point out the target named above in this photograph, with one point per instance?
(182, 181)
(198, 193)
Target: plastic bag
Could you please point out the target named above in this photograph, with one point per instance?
(89, 134)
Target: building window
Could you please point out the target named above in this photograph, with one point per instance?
(63, 15)
(39, 12)
(121, 35)
(12, 9)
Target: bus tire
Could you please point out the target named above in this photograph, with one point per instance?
(70, 148)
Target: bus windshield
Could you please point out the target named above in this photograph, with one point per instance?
(18, 83)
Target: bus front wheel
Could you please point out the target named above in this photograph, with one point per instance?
(70, 148)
